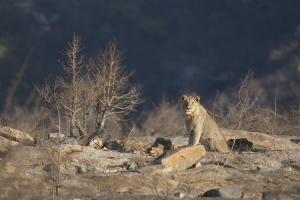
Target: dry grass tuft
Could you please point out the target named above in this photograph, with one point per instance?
(166, 118)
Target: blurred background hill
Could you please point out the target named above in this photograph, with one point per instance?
(175, 46)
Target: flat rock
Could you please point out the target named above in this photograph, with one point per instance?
(30, 183)
(157, 169)
(261, 141)
(255, 162)
(16, 135)
(181, 159)
(210, 177)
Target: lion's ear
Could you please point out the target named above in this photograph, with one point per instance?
(183, 97)
(197, 98)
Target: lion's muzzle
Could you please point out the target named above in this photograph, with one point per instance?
(188, 111)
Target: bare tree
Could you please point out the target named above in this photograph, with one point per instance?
(113, 95)
(104, 85)
(68, 94)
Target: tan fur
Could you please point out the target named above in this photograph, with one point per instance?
(201, 126)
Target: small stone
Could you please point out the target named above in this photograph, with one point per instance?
(262, 168)
(105, 149)
(197, 165)
(132, 167)
(224, 192)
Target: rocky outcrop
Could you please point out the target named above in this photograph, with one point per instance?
(124, 170)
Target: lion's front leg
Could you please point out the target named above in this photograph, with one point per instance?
(191, 138)
(194, 137)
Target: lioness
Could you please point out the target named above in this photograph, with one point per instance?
(202, 126)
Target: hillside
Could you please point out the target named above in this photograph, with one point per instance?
(175, 46)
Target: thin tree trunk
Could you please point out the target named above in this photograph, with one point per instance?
(72, 125)
(102, 119)
(98, 116)
(58, 115)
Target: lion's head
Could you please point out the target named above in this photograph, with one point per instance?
(189, 104)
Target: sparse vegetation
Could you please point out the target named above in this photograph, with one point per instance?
(98, 89)
(245, 112)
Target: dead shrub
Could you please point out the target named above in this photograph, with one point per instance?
(247, 113)
(29, 120)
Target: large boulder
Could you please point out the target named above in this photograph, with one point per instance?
(6, 144)
(261, 141)
(16, 135)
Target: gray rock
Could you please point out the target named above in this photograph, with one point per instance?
(114, 145)
(177, 194)
(98, 139)
(57, 141)
(225, 193)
